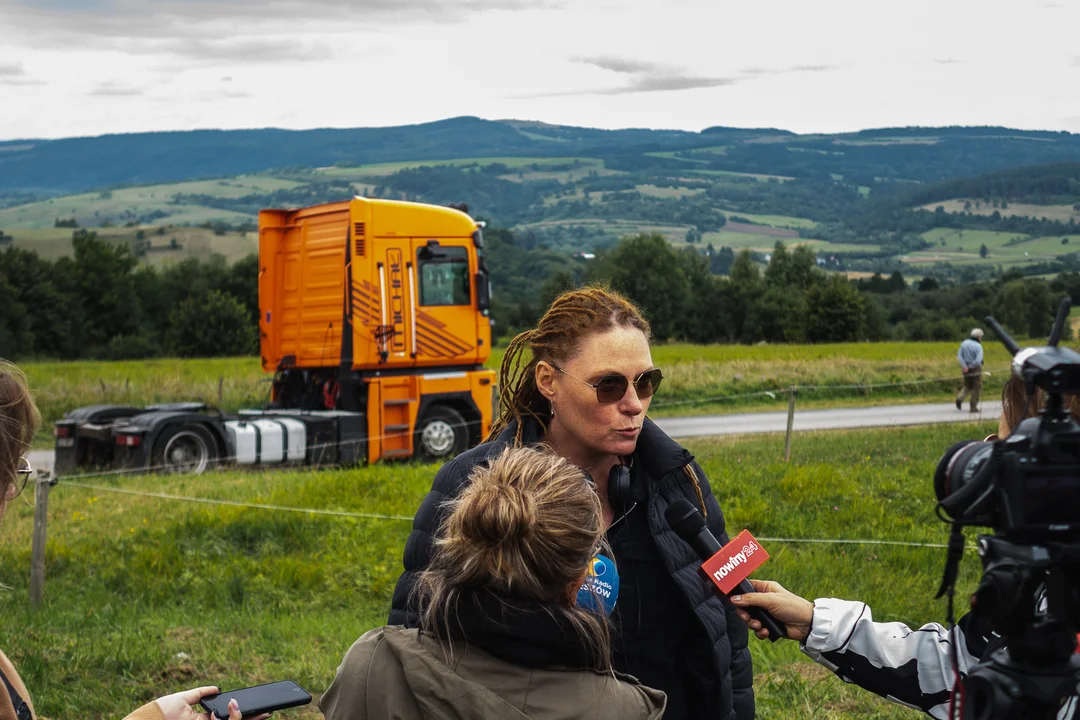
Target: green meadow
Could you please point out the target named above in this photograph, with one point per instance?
(962, 247)
(91, 209)
(698, 379)
(191, 242)
(146, 595)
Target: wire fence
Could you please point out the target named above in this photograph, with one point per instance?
(410, 518)
(77, 481)
(285, 464)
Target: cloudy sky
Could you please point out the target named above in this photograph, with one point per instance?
(87, 67)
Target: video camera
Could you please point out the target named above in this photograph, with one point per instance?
(1026, 487)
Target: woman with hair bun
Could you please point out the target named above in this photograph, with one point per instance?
(581, 383)
(501, 632)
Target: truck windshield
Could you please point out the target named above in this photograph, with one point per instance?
(444, 276)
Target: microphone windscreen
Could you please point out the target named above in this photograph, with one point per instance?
(684, 518)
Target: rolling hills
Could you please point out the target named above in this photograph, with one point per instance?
(919, 200)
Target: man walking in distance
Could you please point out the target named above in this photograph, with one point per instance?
(971, 361)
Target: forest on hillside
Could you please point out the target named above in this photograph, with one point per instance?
(923, 155)
(955, 204)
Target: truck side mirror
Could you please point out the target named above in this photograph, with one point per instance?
(483, 293)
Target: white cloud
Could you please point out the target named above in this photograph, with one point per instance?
(833, 65)
(116, 89)
(11, 70)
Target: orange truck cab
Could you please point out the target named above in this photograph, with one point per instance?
(374, 319)
(381, 308)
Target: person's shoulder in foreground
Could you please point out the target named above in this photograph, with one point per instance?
(398, 669)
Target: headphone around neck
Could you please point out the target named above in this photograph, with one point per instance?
(622, 490)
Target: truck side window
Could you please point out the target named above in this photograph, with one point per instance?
(444, 276)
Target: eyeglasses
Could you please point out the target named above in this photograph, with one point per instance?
(22, 474)
(611, 389)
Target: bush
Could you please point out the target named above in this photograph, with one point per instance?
(132, 347)
(214, 325)
(834, 312)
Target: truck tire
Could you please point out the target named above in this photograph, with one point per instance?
(189, 448)
(440, 435)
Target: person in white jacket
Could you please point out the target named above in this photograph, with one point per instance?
(911, 667)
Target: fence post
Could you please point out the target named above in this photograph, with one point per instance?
(37, 556)
(220, 389)
(792, 391)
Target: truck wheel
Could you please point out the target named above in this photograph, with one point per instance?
(440, 435)
(184, 449)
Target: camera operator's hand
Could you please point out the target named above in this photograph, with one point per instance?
(796, 613)
(178, 705)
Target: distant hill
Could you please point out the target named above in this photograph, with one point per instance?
(956, 203)
(926, 155)
(1056, 183)
(78, 164)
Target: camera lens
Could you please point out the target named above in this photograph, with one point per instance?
(962, 464)
(958, 465)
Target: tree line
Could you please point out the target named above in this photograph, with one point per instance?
(101, 303)
(790, 299)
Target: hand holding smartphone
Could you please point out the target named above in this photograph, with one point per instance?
(258, 699)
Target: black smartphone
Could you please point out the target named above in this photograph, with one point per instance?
(258, 699)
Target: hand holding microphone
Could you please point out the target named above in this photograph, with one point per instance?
(796, 613)
(727, 567)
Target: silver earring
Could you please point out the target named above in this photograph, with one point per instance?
(552, 408)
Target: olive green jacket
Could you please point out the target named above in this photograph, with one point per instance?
(392, 672)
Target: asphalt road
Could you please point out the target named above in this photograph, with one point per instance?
(746, 423)
(881, 416)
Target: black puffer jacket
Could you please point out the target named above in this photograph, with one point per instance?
(666, 465)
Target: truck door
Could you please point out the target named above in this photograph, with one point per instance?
(443, 310)
(391, 336)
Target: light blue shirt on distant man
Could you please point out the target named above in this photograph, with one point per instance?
(970, 355)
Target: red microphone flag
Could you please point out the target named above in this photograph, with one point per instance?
(735, 561)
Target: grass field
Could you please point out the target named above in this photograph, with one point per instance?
(760, 242)
(667, 192)
(744, 238)
(1061, 213)
(62, 386)
(780, 221)
(564, 176)
(145, 595)
(710, 379)
(698, 379)
(728, 173)
(962, 247)
(890, 141)
(195, 242)
(823, 247)
(675, 234)
(672, 155)
(120, 205)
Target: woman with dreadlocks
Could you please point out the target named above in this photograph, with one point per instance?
(581, 382)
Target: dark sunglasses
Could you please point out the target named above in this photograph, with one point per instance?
(611, 389)
(22, 474)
